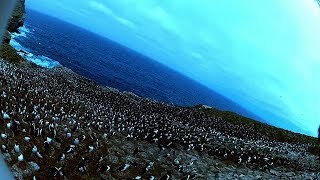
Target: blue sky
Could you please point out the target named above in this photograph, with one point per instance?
(261, 54)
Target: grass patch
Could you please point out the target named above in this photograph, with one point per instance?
(272, 132)
(8, 53)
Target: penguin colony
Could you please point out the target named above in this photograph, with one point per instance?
(64, 123)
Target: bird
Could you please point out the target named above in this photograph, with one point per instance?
(9, 125)
(76, 141)
(149, 166)
(27, 139)
(167, 176)
(124, 167)
(4, 136)
(34, 149)
(20, 158)
(81, 167)
(62, 157)
(68, 135)
(4, 148)
(70, 149)
(104, 168)
(39, 155)
(5, 115)
(16, 148)
(49, 140)
(91, 149)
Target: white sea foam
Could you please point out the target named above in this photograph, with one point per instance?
(40, 60)
(22, 32)
(16, 45)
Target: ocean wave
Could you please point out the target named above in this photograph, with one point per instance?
(24, 52)
(22, 32)
(17, 46)
(42, 61)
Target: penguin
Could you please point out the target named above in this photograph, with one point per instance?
(27, 139)
(39, 155)
(34, 149)
(82, 168)
(62, 157)
(104, 168)
(17, 148)
(4, 149)
(20, 158)
(76, 141)
(167, 176)
(4, 136)
(124, 167)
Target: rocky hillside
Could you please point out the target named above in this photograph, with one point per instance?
(55, 124)
(16, 21)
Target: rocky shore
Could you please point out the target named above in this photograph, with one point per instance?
(55, 124)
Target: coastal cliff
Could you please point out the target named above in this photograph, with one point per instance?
(16, 21)
(18, 15)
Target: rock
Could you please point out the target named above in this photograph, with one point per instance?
(7, 37)
(290, 174)
(274, 172)
(34, 166)
(7, 157)
(19, 173)
(112, 158)
(18, 15)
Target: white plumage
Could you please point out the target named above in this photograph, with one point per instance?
(68, 135)
(6, 116)
(9, 125)
(16, 148)
(39, 155)
(49, 140)
(34, 149)
(91, 149)
(27, 139)
(4, 136)
(76, 141)
(20, 158)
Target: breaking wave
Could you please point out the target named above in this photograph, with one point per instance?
(26, 53)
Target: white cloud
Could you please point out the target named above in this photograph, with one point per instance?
(107, 11)
(162, 17)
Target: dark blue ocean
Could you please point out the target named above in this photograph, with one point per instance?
(51, 41)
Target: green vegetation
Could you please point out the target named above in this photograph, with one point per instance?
(272, 132)
(10, 54)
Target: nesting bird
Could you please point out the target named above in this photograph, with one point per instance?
(34, 149)
(20, 158)
(27, 139)
(4, 136)
(17, 148)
